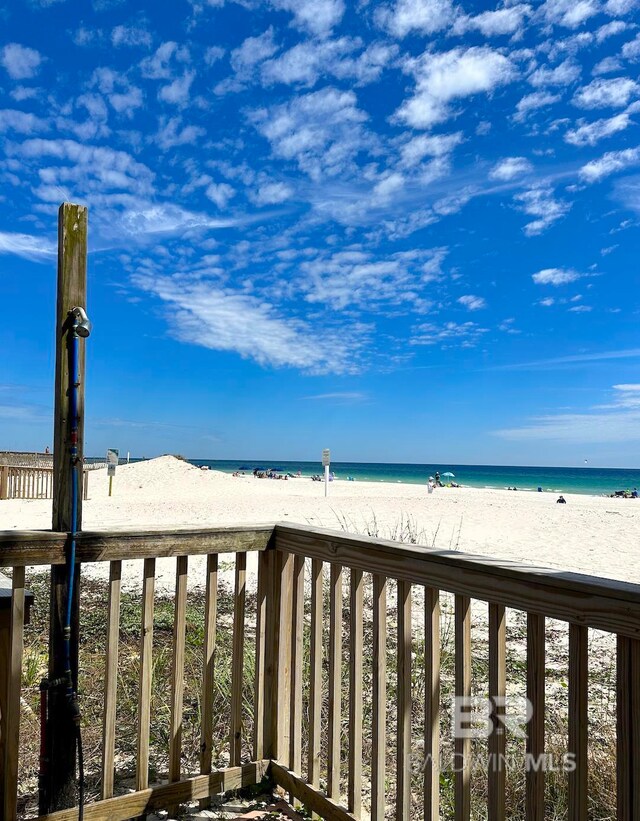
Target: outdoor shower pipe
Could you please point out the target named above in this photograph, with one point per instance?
(81, 328)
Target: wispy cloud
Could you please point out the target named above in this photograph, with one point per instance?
(575, 359)
(347, 397)
(27, 246)
(201, 313)
(617, 421)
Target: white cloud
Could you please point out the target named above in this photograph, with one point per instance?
(581, 309)
(21, 122)
(540, 202)
(562, 75)
(20, 62)
(618, 8)
(26, 245)
(555, 276)
(509, 168)
(509, 20)
(306, 62)
(610, 30)
(143, 219)
(447, 76)
(130, 36)
(627, 191)
(631, 50)
(322, 131)
(213, 54)
(533, 102)
(223, 320)
(317, 16)
(123, 97)
(86, 168)
(450, 334)
(569, 13)
(160, 65)
(245, 59)
(356, 278)
(172, 133)
(547, 301)
(609, 163)
(608, 65)
(177, 92)
(606, 93)
(422, 16)
(592, 133)
(220, 193)
(271, 193)
(472, 302)
(428, 145)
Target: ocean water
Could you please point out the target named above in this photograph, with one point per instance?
(592, 481)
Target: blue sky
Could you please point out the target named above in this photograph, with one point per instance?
(405, 230)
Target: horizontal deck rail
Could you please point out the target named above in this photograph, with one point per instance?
(330, 625)
(44, 547)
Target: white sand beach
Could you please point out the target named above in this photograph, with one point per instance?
(593, 535)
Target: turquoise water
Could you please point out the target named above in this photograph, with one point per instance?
(593, 481)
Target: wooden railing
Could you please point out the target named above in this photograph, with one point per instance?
(31, 482)
(345, 686)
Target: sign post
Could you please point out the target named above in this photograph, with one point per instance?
(326, 461)
(112, 462)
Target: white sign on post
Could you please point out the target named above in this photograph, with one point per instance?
(326, 461)
(112, 462)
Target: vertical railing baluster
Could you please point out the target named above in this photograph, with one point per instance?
(237, 663)
(578, 720)
(628, 729)
(111, 678)
(431, 764)
(463, 694)
(261, 636)
(208, 668)
(315, 673)
(355, 692)
(177, 670)
(535, 727)
(14, 679)
(285, 658)
(335, 681)
(146, 672)
(297, 629)
(379, 699)
(497, 694)
(403, 762)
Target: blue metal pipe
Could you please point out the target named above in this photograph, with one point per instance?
(73, 453)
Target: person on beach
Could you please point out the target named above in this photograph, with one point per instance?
(561, 500)
(438, 482)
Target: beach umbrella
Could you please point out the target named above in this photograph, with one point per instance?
(448, 474)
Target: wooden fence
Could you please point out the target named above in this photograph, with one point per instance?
(333, 720)
(31, 482)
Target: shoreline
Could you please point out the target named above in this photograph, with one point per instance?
(505, 477)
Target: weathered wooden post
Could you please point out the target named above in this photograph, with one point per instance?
(58, 790)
